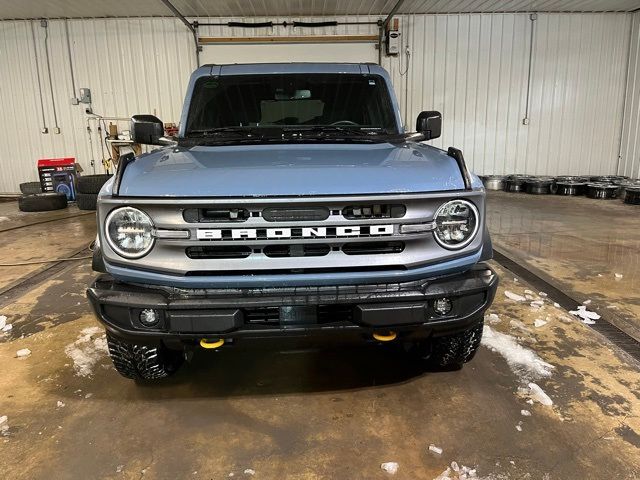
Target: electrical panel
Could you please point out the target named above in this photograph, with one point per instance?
(85, 95)
(392, 42)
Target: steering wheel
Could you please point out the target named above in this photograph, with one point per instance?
(345, 122)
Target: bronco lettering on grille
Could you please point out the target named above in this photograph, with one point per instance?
(290, 232)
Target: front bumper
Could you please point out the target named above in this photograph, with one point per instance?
(188, 315)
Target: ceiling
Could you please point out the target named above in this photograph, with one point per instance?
(21, 9)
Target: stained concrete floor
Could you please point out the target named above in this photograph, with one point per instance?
(307, 414)
(588, 248)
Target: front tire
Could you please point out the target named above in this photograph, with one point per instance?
(451, 352)
(143, 362)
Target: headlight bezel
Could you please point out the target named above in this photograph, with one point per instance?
(465, 243)
(112, 243)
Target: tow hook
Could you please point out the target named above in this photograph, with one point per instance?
(388, 337)
(204, 343)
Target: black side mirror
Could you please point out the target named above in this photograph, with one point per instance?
(429, 124)
(147, 129)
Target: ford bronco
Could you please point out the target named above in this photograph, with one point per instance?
(292, 203)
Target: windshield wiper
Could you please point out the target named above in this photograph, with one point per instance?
(333, 130)
(220, 131)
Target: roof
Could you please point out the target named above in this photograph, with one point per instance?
(23, 9)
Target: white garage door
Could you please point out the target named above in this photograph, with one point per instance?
(288, 52)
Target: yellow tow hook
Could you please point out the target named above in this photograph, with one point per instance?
(385, 338)
(211, 345)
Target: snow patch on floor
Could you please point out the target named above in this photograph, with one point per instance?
(23, 353)
(462, 472)
(587, 316)
(539, 395)
(390, 467)
(514, 296)
(524, 362)
(87, 350)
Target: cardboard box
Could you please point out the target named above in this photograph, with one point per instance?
(58, 175)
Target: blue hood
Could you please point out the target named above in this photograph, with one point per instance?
(291, 170)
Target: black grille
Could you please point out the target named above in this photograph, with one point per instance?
(262, 315)
(355, 212)
(296, 250)
(218, 252)
(274, 271)
(335, 313)
(295, 214)
(323, 314)
(215, 215)
(372, 248)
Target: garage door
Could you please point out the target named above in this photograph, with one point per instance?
(289, 52)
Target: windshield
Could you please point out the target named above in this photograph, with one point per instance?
(291, 101)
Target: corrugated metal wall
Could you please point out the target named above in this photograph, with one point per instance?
(130, 65)
(630, 145)
(472, 67)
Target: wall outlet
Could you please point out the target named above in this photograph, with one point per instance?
(56, 130)
(45, 130)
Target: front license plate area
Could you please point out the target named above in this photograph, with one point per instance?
(298, 315)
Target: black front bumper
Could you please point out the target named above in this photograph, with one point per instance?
(358, 310)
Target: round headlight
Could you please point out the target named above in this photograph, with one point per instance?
(129, 232)
(456, 223)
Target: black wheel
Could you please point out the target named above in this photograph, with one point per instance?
(450, 352)
(86, 201)
(42, 202)
(143, 362)
(29, 188)
(91, 183)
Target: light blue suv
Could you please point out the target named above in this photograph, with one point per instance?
(292, 203)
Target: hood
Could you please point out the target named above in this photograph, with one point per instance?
(291, 170)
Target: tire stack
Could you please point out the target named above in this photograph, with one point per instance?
(33, 200)
(88, 187)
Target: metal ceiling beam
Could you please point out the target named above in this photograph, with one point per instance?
(393, 11)
(188, 24)
(382, 29)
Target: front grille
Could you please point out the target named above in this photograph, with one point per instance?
(296, 250)
(335, 313)
(217, 215)
(373, 248)
(262, 315)
(295, 214)
(231, 273)
(319, 314)
(376, 210)
(225, 251)
(332, 234)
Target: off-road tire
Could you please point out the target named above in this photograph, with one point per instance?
(42, 202)
(87, 201)
(143, 362)
(30, 188)
(450, 352)
(91, 184)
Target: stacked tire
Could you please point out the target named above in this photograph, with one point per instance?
(88, 187)
(33, 200)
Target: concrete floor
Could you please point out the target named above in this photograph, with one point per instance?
(313, 414)
(588, 248)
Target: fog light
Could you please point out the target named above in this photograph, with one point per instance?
(149, 317)
(442, 306)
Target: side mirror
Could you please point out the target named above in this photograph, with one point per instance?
(429, 124)
(147, 129)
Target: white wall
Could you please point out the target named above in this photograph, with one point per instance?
(471, 67)
(630, 145)
(132, 66)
